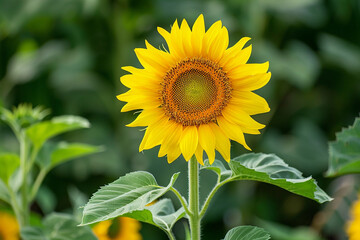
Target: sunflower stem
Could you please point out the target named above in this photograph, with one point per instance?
(194, 217)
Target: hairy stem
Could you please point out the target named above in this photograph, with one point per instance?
(194, 217)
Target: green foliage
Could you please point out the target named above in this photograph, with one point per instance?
(32, 133)
(129, 193)
(282, 232)
(269, 168)
(9, 163)
(161, 214)
(58, 226)
(40, 132)
(247, 233)
(345, 151)
(55, 154)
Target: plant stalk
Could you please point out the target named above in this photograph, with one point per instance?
(24, 220)
(194, 217)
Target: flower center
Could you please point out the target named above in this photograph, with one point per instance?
(195, 91)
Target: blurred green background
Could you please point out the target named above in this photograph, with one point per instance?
(67, 55)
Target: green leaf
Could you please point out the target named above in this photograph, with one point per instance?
(282, 232)
(4, 192)
(129, 193)
(269, 168)
(247, 233)
(9, 162)
(345, 151)
(161, 214)
(40, 132)
(217, 167)
(52, 155)
(58, 227)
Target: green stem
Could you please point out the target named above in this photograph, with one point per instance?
(194, 217)
(211, 195)
(171, 235)
(23, 221)
(39, 179)
(181, 199)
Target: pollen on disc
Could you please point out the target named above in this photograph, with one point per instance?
(195, 91)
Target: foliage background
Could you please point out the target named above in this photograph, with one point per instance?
(67, 55)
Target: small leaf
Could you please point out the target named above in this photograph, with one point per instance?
(129, 193)
(58, 227)
(269, 168)
(4, 192)
(161, 214)
(247, 233)
(217, 167)
(52, 155)
(345, 151)
(9, 162)
(40, 132)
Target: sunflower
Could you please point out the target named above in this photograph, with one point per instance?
(353, 229)
(197, 95)
(121, 228)
(9, 227)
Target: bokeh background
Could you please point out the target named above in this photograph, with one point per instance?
(67, 55)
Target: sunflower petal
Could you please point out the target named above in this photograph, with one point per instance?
(239, 117)
(248, 70)
(222, 142)
(189, 142)
(234, 51)
(233, 131)
(249, 102)
(251, 83)
(147, 117)
(199, 154)
(197, 35)
(207, 141)
(209, 37)
(186, 38)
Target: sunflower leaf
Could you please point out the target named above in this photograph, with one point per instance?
(129, 193)
(345, 151)
(161, 214)
(58, 226)
(42, 131)
(217, 167)
(271, 169)
(247, 233)
(4, 192)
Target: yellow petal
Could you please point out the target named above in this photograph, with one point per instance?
(249, 69)
(147, 117)
(173, 155)
(222, 142)
(209, 37)
(199, 154)
(157, 132)
(251, 83)
(197, 35)
(207, 141)
(239, 60)
(172, 139)
(233, 131)
(234, 51)
(249, 102)
(148, 61)
(219, 45)
(189, 142)
(163, 58)
(237, 116)
(186, 38)
(141, 82)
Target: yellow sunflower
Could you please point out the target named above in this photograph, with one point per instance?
(353, 229)
(197, 95)
(9, 227)
(121, 228)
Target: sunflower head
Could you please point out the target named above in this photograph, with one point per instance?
(197, 95)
